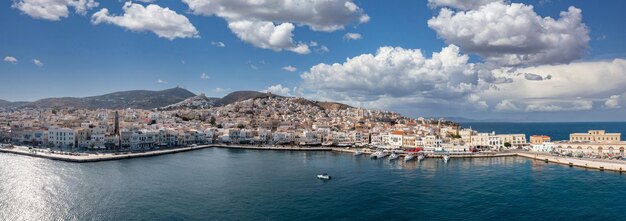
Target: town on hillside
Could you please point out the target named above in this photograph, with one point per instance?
(271, 121)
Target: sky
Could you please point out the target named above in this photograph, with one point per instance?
(542, 60)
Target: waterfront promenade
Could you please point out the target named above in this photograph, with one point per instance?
(596, 164)
(85, 158)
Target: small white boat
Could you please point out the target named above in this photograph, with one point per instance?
(323, 177)
(409, 157)
(446, 158)
(393, 156)
(375, 154)
(382, 155)
(358, 152)
(420, 157)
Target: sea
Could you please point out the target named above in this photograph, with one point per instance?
(234, 184)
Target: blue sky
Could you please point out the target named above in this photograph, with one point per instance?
(81, 57)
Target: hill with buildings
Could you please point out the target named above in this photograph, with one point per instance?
(170, 99)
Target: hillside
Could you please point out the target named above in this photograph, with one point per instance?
(200, 101)
(140, 99)
(242, 95)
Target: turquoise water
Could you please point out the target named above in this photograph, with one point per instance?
(224, 184)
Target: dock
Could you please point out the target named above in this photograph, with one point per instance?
(602, 165)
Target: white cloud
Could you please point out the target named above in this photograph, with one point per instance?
(267, 35)
(513, 34)
(162, 81)
(290, 68)
(163, 22)
(506, 105)
(38, 63)
(613, 102)
(560, 105)
(571, 87)
(352, 36)
(398, 76)
(205, 76)
(279, 90)
(53, 10)
(10, 59)
(322, 49)
(270, 24)
(460, 4)
(218, 44)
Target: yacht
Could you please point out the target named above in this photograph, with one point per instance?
(446, 158)
(323, 176)
(393, 156)
(409, 157)
(420, 157)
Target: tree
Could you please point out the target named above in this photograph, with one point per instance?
(212, 120)
(241, 126)
(507, 144)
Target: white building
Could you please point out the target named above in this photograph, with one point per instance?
(61, 137)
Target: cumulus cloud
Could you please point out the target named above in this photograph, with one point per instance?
(218, 44)
(278, 89)
(162, 81)
(163, 22)
(571, 87)
(204, 76)
(513, 34)
(460, 4)
(53, 10)
(38, 63)
(613, 102)
(505, 106)
(10, 59)
(352, 36)
(267, 35)
(290, 68)
(399, 76)
(270, 24)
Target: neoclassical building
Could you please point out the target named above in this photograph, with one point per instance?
(596, 142)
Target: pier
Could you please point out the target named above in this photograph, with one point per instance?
(602, 165)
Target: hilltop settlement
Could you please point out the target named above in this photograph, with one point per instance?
(145, 120)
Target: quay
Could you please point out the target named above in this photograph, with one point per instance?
(602, 165)
(596, 164)
(279, 148)
(86, 158)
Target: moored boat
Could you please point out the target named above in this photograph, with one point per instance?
(420, 157)
(409, 157)
(358, 152)
(446, 158)
(393, 156)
